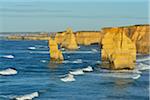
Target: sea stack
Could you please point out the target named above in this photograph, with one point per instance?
(55, 53)
(69, 41)
(118, 49)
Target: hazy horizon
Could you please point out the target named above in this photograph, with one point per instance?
(53, 16)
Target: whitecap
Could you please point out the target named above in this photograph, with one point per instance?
(77, 72)
(40, 52)
(43, 61)
(98, 62)
(8, 56)
(77, 61)
(94, 50)
(142, 66)
(78, 47)
(136, 77)
(88, 69)
(31, 48)
(74, 62)
(120, 75)
(62, 49)
(136, 71)
(77, 52)
(28, 96)
(68, 78)
(143, 59)
(9, 71)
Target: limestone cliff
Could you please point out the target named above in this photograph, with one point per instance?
(55, 53)
(88, 37)
(69, 40)
(139, 34)
(82, 37)
(118, 49)
(29, 36)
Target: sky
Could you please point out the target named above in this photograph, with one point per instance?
(57, 15)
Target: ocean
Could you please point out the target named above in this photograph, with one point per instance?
(36, 73)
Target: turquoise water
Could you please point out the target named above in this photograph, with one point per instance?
(37, 74)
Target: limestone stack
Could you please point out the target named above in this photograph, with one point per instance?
(59, 37)
(118, 49)
(55, 53)
(69, 41)
(139, 34)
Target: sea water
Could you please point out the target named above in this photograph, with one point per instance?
(37, 74)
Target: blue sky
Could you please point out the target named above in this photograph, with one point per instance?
(53, 16)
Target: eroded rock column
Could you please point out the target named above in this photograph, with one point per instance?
(55, 53)
(118, 49)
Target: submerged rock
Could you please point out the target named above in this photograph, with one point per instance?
(55, 53)
(118, 49)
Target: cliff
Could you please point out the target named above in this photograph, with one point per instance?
(29, 36)
(139, 34)
(118, 49)
(82, 37)
(55, 53)
(88, 37)
(69, 40)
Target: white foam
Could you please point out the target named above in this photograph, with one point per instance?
(143, 59)
(77, 61)
(40, 52)
(43, 61)
(9, 56)
(126, 71)
(69, 78)
(88, 69)
(98, 62)
(136, 77)
(74, 62)
(28, 96)
(62, 49)
(120, 75)
(77, 72)
(142, 66)
(31, 48)
(94, 50)
(8, 71)
(77, 52)
(78, 47)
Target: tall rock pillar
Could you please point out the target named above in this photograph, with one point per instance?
(118, 49)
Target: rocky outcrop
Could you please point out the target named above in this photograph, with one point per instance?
(139, 34)
(55, 53)
(69, 40)
(59, 37)
(82, 37)
(88, 37)
(118, 49)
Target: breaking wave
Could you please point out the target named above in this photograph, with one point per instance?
(27, 96)
(74, 62)
(8, 56)
(143, 59)
(9, 71)
(119, 75)
(31, 48)
(142, 67)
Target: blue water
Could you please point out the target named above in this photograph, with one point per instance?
(44, 77)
